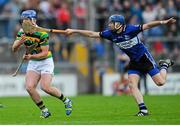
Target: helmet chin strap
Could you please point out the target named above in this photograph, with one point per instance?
(117, 26)
(33, 22)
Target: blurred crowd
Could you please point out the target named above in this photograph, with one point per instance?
(64, 14)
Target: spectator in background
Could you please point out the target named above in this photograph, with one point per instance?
(102, 13)
(171, 9)
(2, 3)
(116, 7)
(99, 48)
(10, 13)
(156, 32)
(63, 16)
(97, 57)
(80, 12)
(31, 4)
(55, 47)
(48, 16)
(127, 10)
(178, 16)
(158, 47)
(45, 7)
(161, 12)
(175, 55)
(137, 11)
(148, 15)
(134, 20)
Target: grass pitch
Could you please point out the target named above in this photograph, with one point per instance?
(91, 109)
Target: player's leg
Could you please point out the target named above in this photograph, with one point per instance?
(45, 83)
(134, 78)
(160, 78)
(32, 79)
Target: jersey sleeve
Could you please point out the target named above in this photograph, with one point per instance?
(105, 34)
(18, 36)
(135, 29)
(44, 39)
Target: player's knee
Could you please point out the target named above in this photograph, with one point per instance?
(131, 85)
(160, 82)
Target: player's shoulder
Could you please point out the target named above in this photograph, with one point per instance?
(106, 31)
(106, 34)
(131, 27)
(20, 32)
(41, 33)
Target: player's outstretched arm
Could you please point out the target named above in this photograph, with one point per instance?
(85, 33)
(156, 23)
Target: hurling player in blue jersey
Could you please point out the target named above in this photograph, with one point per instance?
(141, 61)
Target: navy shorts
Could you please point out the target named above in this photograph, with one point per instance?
(145, 65)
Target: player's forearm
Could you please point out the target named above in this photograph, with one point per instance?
(87, 33)
(152, 24)
(16, 45)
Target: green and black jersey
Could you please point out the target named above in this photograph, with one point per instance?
(37, 37)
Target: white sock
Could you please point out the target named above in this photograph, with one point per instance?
(45, 110)
(67, 100)
(145, 111)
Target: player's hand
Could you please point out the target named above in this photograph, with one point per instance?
(23, 39)
(27, 56)
(169, 21)
(69, 31)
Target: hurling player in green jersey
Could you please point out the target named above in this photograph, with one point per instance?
(40, 66)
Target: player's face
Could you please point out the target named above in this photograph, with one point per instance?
(111, 26)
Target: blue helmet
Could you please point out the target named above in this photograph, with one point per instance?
(117, 18)
(31, 14)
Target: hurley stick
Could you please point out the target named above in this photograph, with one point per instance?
(29, 27)
(17, 70)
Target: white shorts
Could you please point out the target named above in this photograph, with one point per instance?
(42, 67)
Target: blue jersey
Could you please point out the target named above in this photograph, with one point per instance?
(127, 41)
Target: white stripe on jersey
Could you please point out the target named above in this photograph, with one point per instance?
(128, 44)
